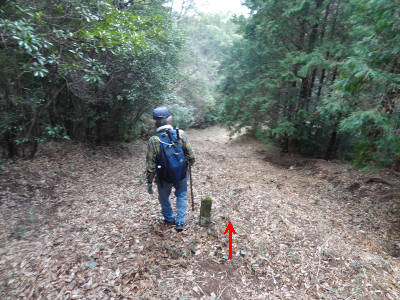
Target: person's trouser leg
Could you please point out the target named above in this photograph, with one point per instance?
(181, 200)
(164, 190)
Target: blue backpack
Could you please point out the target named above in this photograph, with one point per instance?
(172, 163)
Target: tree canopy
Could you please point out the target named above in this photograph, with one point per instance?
(208, 39)
(319, 77)
(82, 70)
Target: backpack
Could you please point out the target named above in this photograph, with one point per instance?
(172, 163)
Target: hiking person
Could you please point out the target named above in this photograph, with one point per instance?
(169, 154)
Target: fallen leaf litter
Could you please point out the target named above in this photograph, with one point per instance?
(77, 222)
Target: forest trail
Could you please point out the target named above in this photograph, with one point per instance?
(78, 223)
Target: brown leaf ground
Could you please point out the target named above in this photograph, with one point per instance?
(77, 223)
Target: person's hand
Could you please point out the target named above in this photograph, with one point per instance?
(150, 189)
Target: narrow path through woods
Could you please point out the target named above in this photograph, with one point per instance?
(78, 223)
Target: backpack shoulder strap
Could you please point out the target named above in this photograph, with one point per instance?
(168, 142)
(179, 133)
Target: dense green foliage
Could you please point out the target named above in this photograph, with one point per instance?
(369, 85)
(208, 39)
(82, 70)
(319, 77)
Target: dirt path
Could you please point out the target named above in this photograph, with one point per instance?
(78, 223)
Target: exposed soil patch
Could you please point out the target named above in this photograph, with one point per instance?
(77, 222)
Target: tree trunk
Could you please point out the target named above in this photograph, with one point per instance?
(321, 84)
(332, 146)
(11, 146)
(285, 144)
(308, 82)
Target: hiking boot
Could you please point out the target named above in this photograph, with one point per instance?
(169, 223)
(179, 227)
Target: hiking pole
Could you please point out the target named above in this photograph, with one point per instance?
(191, 185)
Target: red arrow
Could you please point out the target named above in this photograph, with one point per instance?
(231, 231)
